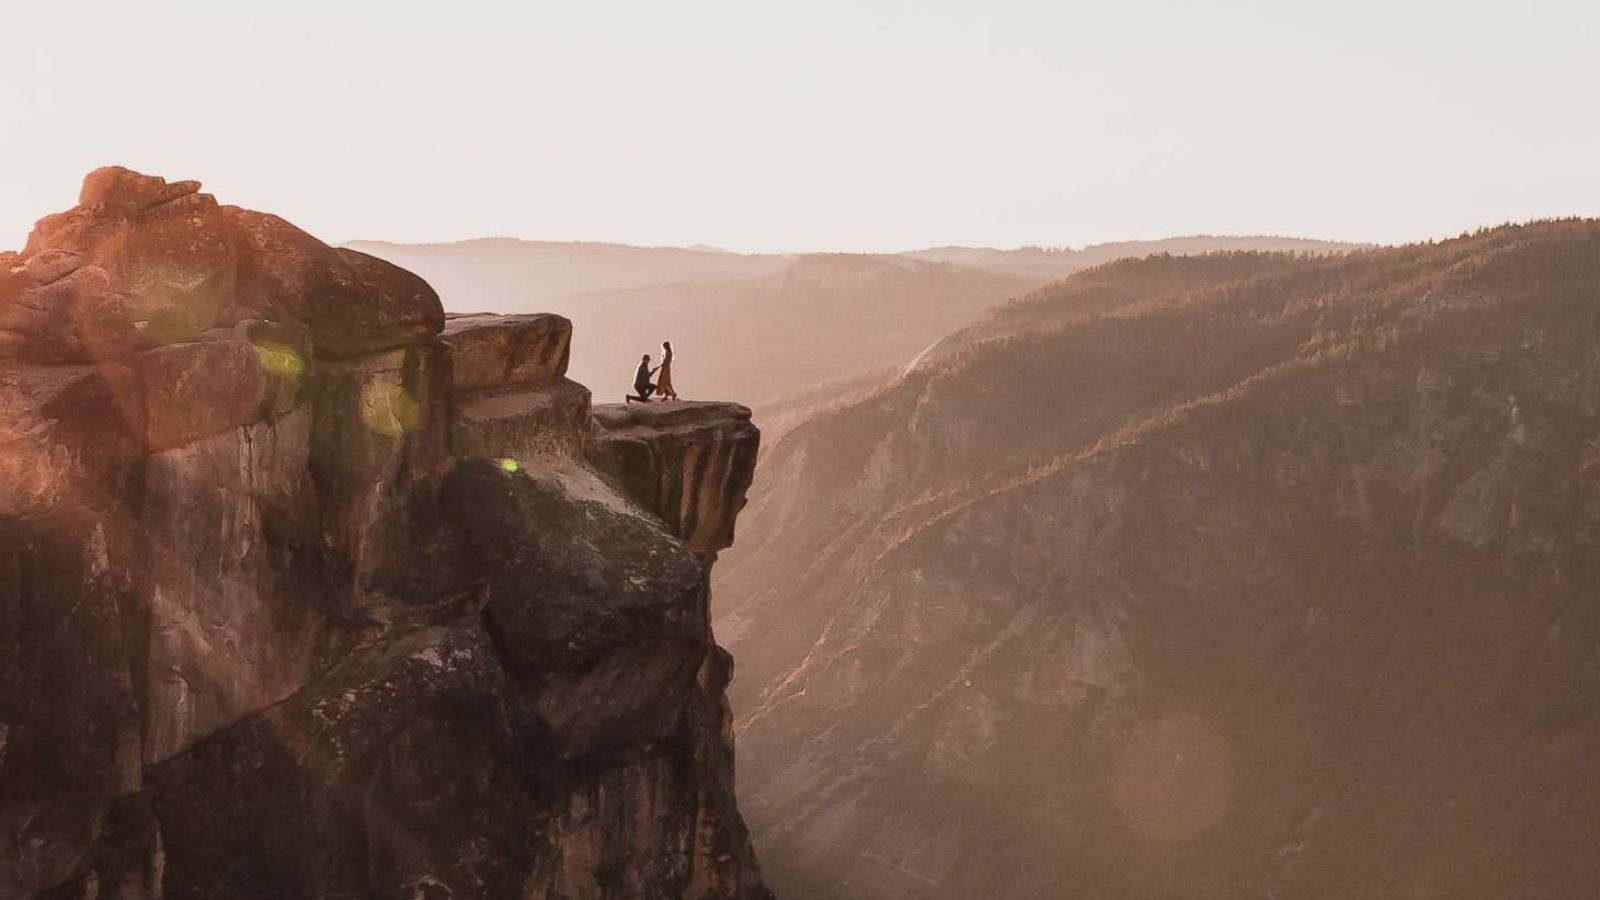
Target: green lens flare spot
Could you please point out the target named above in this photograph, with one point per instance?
(280, 360)
(387, 409)
(510, 465)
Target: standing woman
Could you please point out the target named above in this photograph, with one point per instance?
(664, 388)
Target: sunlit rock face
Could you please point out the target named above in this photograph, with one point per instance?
(306, 593)
(493, 351)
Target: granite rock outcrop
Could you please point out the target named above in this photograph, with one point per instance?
(306, 591)
(690, 463)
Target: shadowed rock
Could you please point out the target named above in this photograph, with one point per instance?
(570, 622)
(352, 769)
(520, 423)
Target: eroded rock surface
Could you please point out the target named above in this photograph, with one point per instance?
(493, 351)
(305, 594)
(511, 395)
(688, 462)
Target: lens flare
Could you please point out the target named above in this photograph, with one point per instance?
(510, 465)
(387, 409)
(280, 360)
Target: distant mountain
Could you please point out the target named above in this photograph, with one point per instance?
(1244, 575)
(821, 318)
(1049, 264)
(514, 276)
(751, 327)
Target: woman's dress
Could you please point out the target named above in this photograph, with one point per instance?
(664, 388)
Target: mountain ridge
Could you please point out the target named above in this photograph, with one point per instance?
(754, 327)
(1326, 522)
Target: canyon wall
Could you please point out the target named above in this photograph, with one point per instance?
(1245, 575)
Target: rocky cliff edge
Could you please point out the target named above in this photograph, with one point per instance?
(307, 590)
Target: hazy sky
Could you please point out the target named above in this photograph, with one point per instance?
(813, 124)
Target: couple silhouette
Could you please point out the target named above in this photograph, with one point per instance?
(644, 388)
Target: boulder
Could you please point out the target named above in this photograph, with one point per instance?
(166, 250)
(182, 265)
(354, 304)
(124, 192)
(177, 266)
(490, 351)
(199, 389)
(511, 399)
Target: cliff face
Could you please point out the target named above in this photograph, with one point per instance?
(1219, 577)
(689, 463)
(306, 591)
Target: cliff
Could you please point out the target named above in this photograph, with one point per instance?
(309, 591)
